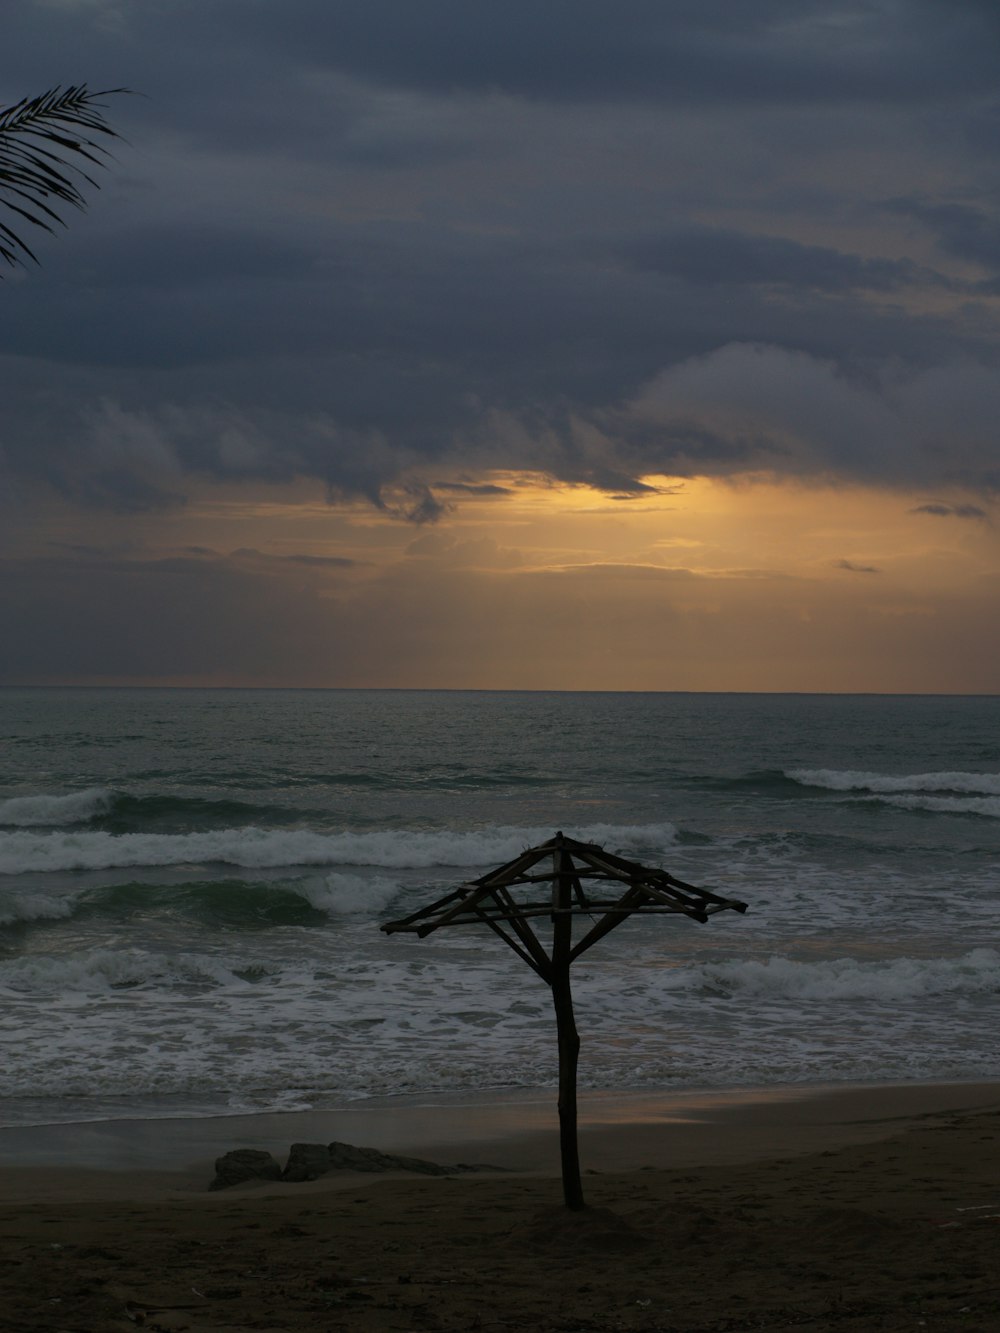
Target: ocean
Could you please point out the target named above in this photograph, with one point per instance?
(192, 881)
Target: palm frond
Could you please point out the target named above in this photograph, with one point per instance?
(46, 144)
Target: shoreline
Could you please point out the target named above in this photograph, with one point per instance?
(517, 1131)
(841, 1211)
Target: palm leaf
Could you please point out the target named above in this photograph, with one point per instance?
(43, 143)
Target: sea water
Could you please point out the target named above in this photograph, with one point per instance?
(192, 881)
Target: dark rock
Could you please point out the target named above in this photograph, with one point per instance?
(345, 1157)
(233, 1168)
(307, 1161)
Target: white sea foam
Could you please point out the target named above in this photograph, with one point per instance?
(37, 811)
(887, 980)
(987, 784)
(269, 848)
(370, 1026)
(33, 906)
(988, 806)
(99, 970)
(349, 893)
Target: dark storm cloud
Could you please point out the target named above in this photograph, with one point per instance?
(684, 51)
(412, 501)
(183, 255)
(734, 259)
(470, 488)
(246, 557)
(951, 511)
(964, 230)
(369, 243)
(853, 568)
(681, 51)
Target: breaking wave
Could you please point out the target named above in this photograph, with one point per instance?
(779, 978)
(233, 904)
(21, 908)
(37, 811)
(987, 784)
(270, 848)
(119, 812)
(954, 793)
(987, 806)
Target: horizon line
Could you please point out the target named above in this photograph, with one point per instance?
(476, 689)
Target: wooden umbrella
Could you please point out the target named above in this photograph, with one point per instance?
(584, 881)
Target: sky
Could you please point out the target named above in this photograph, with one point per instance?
(571, 344)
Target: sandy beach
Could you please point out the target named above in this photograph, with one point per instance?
(850, 1209)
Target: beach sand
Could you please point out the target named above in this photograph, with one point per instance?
(855, 1209)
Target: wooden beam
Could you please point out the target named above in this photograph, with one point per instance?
(678, 900)
(676, 883)
(545, 877)
(521, 953)
(404, 923)
(524, 933)
(626, 906)
(468, 903)
(592, 909)
(512, 869)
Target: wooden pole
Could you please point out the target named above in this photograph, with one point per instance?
(569, 1039)
(569, 1050)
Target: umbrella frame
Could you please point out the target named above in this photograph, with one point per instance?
(583, 880)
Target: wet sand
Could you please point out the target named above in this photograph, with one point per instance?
(850, 1209)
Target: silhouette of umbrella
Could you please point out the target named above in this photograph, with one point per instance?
(584, 881)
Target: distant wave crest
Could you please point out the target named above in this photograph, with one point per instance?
(954, 793)
(121, 812)
(229, 903)
(270, 848)
(779, 978)
(988, 806)
(985, 784)
(38, 811)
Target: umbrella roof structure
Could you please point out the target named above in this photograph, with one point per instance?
(562, 879)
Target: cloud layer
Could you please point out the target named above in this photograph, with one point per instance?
(395, 256)
(357, 242)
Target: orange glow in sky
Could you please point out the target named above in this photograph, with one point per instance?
(693, 584)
